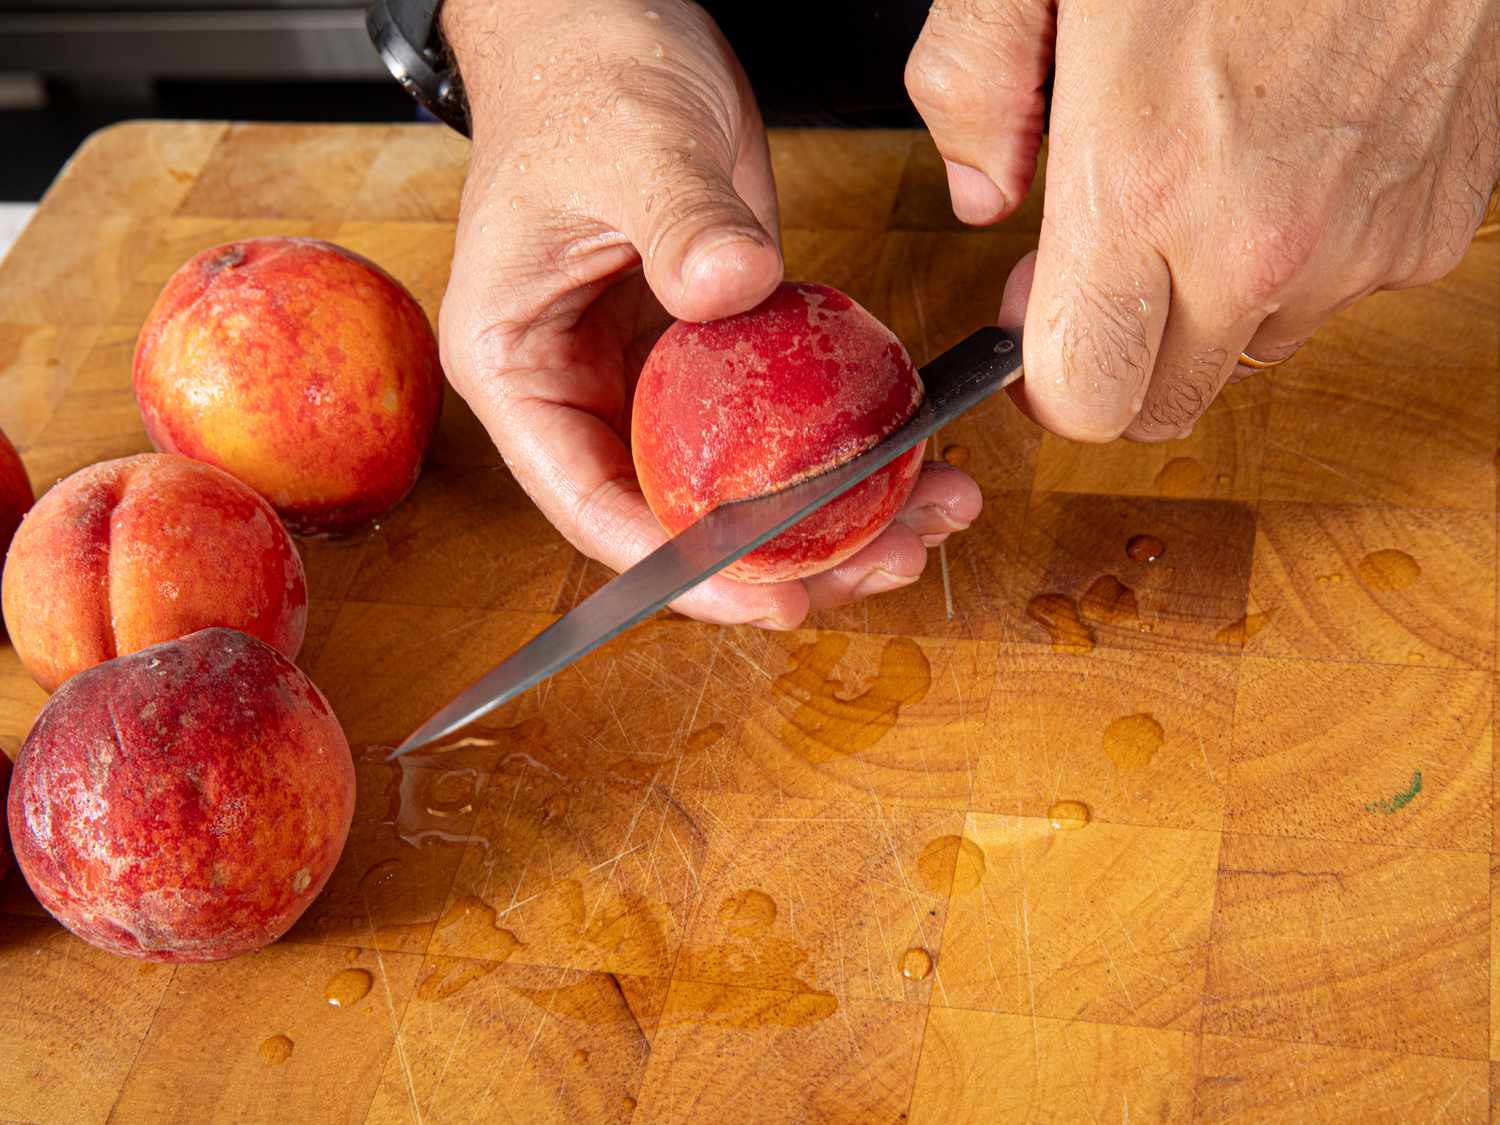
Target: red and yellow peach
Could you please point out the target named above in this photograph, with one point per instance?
(299, 367)
(130, 553)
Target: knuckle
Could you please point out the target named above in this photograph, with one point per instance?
(1275, 249)
(1104, 339)
(1428, 269)
(939, 82)
(676, 212)
(1147, 191)
(1151, 193)
(596, 516)
(1437, 255)
(473, 354)
(971, 52)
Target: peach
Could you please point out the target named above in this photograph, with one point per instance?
(299, 367)
(130, 553)
(5, 771)
(754, 403)
(16, 496)
(183, 803)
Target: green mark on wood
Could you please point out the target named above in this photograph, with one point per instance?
(1392, 805)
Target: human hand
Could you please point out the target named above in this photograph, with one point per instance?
(618, 179)
(1221, 178)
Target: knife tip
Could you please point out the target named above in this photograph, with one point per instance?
(413, 742)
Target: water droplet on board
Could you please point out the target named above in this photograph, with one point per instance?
(748, 912)
(1132, 741)
(1240, 632)
(956, 455)
(1058, 614)
(829, 722)
(351, 955)
(276, 1049)
(451, 793)
(1181, 476)
(348, 987)
(1330, 579)
(628, 1103)
(429, 805)
(916, 965)
(1068, 814)
(1109, 601)
(378, 875)
(1389, 570)
(1145, 548)
(951, 865)
(480, 926)
(1224, 478)
(580, 1056)
(657, 52)
(453, 977)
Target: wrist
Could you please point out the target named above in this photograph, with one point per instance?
(488, 42)
(502, 48)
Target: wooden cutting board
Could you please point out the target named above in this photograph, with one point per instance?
(721, 875)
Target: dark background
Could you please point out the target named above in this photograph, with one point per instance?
(814, 62)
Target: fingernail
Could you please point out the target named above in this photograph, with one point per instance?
(880, 581)
(706, 245)
(935, 539)
(975, 197)
(772, 623)
(942, 515)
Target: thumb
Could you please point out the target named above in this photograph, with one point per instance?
(976, 76)
(703, 251)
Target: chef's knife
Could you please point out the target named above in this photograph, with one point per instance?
(955, 381)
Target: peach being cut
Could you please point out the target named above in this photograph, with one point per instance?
(301, 368)
(751, 404)
(130, 553)
(16, 496)
(183, 803)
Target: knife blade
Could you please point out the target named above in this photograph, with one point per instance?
(954, 382)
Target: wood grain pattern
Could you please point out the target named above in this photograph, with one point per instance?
(985, 1066)
(719, 874)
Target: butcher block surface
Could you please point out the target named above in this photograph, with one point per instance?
(1166, 794)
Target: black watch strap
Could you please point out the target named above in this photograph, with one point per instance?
(406, 34)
